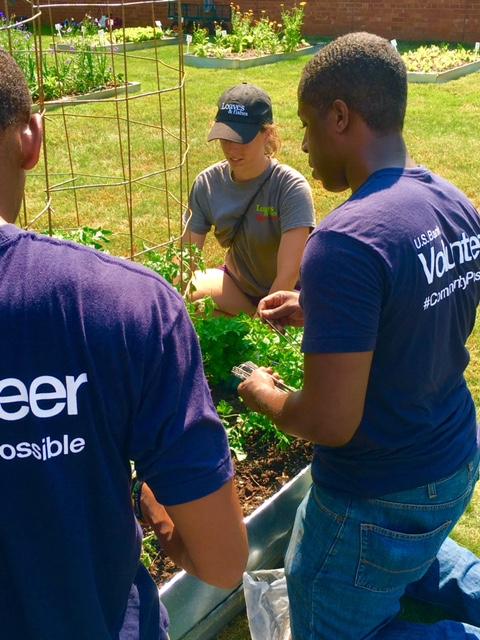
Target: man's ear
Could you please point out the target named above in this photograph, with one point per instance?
(31, 138)
(341, 115)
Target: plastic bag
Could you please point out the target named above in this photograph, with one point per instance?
(266, 598)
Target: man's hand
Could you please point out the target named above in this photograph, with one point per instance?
(155, 515)
(281, 309)
(206, 537)
(257, 389)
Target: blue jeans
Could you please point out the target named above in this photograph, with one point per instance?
(350, 560)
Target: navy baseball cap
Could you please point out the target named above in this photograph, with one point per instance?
(242, 111)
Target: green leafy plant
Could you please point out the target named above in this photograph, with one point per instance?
(150, 550)
(241, 37)
(94, 237)
(291, 37)
(222, 340)
(227, 342)
(88, 26)
(438, 58)
(200, 41)
(175, 264)
(139, 34)
(261, 36)
(265, 35)
(65, 74)
(95, 37)
(234, 426)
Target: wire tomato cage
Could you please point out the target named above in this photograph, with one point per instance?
(114, 156)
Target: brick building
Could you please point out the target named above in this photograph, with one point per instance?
(444, 20)
(447, 20)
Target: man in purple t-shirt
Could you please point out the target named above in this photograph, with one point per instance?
(390, 287)
(100, 366)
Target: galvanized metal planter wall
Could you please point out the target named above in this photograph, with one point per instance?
(444, 76)
(198, 611)
(243, 63)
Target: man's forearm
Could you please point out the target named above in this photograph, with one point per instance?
(156, 516)
(284, 409)
(175, 549)
(290, 415)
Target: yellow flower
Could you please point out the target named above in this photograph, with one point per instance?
(302, 4)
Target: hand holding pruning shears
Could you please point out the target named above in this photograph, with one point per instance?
(258, 384)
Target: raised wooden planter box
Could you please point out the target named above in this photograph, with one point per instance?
(444, 76)
(102, 94)
(198, 611)
(243, 63)
(122, 46)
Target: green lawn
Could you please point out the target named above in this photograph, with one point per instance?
(442, 130)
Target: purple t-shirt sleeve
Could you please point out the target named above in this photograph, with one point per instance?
(342, 287)
(178, 443)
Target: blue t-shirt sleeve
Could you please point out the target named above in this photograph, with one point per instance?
(178, 443)
(343, 283)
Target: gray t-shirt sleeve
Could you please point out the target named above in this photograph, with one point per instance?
(297, 203)
(200, 221)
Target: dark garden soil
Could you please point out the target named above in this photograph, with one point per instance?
(265, 470)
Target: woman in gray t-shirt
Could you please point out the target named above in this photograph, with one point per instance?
(261, 211)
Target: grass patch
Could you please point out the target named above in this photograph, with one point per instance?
(439, 126)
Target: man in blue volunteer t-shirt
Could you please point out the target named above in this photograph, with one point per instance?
(100, 365)
(390, 287)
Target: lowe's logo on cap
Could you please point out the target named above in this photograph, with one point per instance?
(234, 109)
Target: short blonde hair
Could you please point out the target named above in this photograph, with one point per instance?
(274, 142)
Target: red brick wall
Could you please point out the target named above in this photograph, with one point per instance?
(133, 15)
(449, 20)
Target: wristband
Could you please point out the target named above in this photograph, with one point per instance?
(136, 499)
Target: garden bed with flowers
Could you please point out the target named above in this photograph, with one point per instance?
(63, 74)
(440, 63)
(252, 41)
(117, 40)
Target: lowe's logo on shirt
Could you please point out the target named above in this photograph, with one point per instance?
(265, 213)
(45, 397)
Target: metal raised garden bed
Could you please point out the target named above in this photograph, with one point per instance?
(120, 47)
(444, 76)
(243, 63)
(198, 611)
(93, 96)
